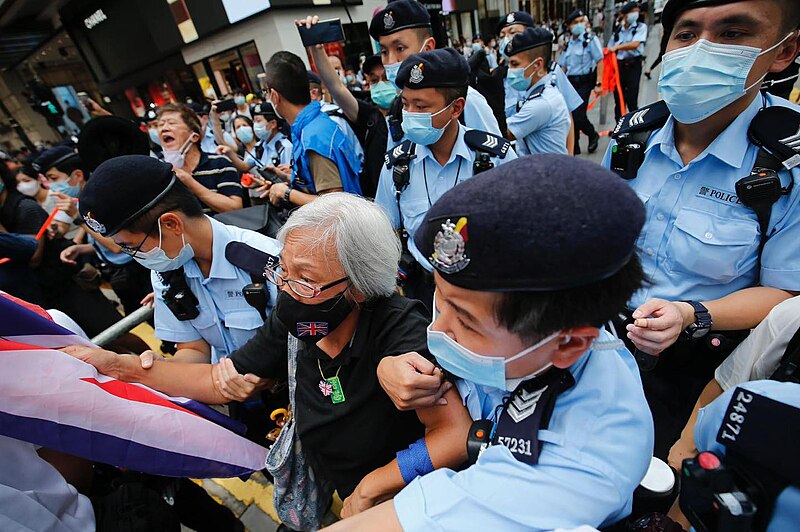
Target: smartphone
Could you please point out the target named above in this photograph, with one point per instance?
(84, 98)
(324, 31)
(226, 105)
(269, 175)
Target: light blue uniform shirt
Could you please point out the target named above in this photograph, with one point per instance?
(209, 144)
(699, 242)
(226, 321)
(594, 453)
(428, 182)
(709, 420)
(542, 124)
(580, 60)
(636, 32)
(571, 96)
(271, 154)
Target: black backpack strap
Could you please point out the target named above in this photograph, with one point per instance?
(789, 368)
(631, 134)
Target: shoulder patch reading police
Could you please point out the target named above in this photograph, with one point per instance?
(416, 74)
(388, 20)
(93, 224)
(449, 255)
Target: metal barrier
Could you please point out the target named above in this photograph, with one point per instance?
(123, 326)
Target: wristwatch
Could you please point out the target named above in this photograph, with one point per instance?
(702, 321)
(287, 194)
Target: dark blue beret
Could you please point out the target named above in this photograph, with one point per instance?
(53, 157)
(106, 137)
(264, 109)
(515, 17)
(673, 8)
(122, 189)
(150, 115)
(398, 16)
(630, 6)
(572, 16)
(529, 39)
(444, 67)
(538, 223)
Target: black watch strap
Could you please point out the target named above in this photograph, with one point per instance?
(702, 321)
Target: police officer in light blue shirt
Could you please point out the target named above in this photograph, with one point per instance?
(562, 433)
(582, 62)
(208, 143)
(627, 42)
(403, 28)
(199, 299)
(439, 154)
(542, 122)
(718, 259)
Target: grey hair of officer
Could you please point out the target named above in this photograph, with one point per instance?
(362, 235)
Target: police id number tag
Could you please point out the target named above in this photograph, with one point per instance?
(516, 445)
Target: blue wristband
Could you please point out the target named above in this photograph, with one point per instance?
(415, 461)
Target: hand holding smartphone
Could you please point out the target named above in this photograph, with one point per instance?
(323, 32)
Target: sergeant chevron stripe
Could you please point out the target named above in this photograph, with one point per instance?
(793, 141)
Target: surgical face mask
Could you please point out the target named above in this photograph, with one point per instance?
(28, 188)
(239, 100)
(225, 117)
(65, 188)
(2, 187)
(476, 46)
(419, 129)
(503, 43)
(578, 30)
(383, 94)
(350, 79)
(154, 138)
(157, 260)
(632, 17)
(177, 158)
(245, 134)
(391, 72)
(700, 80)
(261, 131)
(480, 369)
(517, 79)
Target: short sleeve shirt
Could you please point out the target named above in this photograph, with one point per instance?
(542, 123)
(636, 32)
(217, 173)
(581, 56)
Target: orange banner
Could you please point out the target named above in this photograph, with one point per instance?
(610, 80)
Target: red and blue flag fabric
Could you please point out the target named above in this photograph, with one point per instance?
(312, 328)
(56, 401)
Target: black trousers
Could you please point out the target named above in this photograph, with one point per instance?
(583, 86)
(630, 76)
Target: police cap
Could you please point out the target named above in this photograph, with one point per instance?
(313, 77)
(264, 109)
(630, 6)
(150, 115)
(529, 39)
(674, 8)
(573, 16)
(398, 16)
(53, 157)
(106, 137)
(515, 17)
(553, 222)
(444, 67)
(122, 189)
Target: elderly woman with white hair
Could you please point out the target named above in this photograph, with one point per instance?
(337, 297)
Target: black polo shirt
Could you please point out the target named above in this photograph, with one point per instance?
(352, 438)
(217, 173)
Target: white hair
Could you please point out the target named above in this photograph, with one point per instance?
(362, 235)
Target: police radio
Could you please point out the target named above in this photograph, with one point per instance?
(178, 296)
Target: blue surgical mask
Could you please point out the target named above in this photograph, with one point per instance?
(419, 129)
(245, 134)
(472, 367)
(503, 43)
(632, 17)
(517, 79)
(157, 260)
(391, 72)
(578, 30)
(154, 136)
(177, 158)
(239, 100)
(261, 131)
(476, 46)
(383, 94)
(65, 188)
(2, 187)
(699, 80)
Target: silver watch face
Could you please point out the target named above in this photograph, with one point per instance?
(699, 332)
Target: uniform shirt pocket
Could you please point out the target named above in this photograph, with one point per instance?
(242, 325)
(413, 210)
(709, 246)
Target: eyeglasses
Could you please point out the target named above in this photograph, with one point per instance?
(126, 249)
(301, 288)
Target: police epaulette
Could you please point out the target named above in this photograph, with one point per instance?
(403, 151)
(249, 259)
(487, 142)
(647, 118)
(777, 130)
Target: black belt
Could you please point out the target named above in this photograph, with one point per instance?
(582, 77)
(631, 61)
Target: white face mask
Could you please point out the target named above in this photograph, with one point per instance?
(28, 188)
(157, 260)
(177, 158)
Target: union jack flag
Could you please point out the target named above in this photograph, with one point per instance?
(326, 388)
(312, 328)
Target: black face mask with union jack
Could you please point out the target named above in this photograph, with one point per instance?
(310, 323)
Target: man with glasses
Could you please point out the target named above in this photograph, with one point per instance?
(140, 203)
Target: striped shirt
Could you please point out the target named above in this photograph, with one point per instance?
(217, 174)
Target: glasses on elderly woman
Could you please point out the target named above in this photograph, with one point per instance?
(301, 288)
